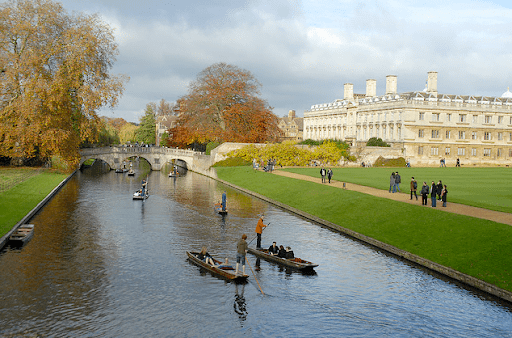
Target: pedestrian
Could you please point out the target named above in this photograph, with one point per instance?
(439, 189)
(457, 164)
(329, 174)
(259, 230)
(414, 187)
(241, 251)
(424, 193)
(224, 201)
(392, 182)
(433, 193)
(322, 173)
(398, 180)
(444, 192)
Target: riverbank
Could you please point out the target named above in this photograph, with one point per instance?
(468, 249)
(25, 196)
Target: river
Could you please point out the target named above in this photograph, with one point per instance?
(103, 265)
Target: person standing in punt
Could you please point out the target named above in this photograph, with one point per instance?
(259, 230)
(224, 201)
(241, 251)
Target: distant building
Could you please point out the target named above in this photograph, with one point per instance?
(291, 126)
(163, 123)
(427, 125)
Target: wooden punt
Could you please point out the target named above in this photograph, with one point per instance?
(218, 209)
(295, 263)
(136, 196)
(131, 173)
(22, 235)
(227, 273)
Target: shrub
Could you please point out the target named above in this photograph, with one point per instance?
(232, 162)
(376, 142)
(393, 162)
(210, 146)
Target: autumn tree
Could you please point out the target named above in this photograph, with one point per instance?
(55, 75)
(127, 133)
(147, 129)
(223, 105)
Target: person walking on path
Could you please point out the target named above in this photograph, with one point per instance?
(433, 193)
(414, 186)
(259, 230)
(398, 180)
(444, 192)
(424, 193)
(322, 173)
(392, 182)
(329, 174)
(241, 251)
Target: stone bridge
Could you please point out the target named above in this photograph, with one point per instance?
(156, 156)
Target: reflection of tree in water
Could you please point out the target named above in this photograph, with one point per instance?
(239, 305)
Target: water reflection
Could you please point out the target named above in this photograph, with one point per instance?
(239, 305)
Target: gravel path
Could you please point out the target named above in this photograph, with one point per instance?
(496, 216)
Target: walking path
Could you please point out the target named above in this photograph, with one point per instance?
(461, 209)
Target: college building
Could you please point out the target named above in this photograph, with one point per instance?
(291, 127)
(427, 126)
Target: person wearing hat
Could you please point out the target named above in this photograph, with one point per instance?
(259, 230)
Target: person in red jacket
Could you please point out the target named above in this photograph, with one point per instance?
(259, 230)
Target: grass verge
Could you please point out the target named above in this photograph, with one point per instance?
(16, 202)
(476, 247)
(488, 188)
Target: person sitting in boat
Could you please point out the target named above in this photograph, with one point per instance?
(225, 265)
(273, 249)
(282, 252)
(289, 253)
(205, 256)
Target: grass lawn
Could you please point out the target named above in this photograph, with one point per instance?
(488, 188)
(16, 202)
(479, 248)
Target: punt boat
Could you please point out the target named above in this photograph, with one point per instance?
(224, 272)
(22, 235)
(295, 263)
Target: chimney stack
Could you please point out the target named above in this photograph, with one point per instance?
(391, 86)
(349, 91)
(432, 83)
(371, 88)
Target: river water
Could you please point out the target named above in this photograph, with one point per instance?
(103, 265)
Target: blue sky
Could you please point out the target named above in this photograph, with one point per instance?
(303, 52)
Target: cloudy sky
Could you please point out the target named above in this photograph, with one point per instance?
(302, 52)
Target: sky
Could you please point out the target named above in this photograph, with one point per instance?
(303, 52)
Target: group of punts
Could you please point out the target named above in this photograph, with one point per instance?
(295, 263)
(217, 269)
(22, 235)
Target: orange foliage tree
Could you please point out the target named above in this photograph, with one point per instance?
(223, 105)
(54, 76)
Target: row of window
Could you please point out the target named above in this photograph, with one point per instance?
(436, 117)
(487, 152)
(462, 135)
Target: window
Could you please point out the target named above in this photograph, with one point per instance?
(462, 135)
(448, 117)
(462, 117)
(435, 117)
(500, 136)
(487, 152)
(510, 136)
(448, 133)
(488, 119)
(499, 152)
(420, 150)
(475, 118)
(473, 151)
(434, 151)
(461, 151)
(421, 116)
(435, 133)
(474, 135)
(500, 119)
(487, 136)
(420, 133)
(447, 151)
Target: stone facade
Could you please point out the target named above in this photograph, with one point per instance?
(428, 126)
(164, 123)
(291, 126)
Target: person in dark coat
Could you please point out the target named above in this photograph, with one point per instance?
(392, 182)
(433, 193)
(289, 253)
(282, 252)
(439, 189)
(273, 249)
(398, 180)
(414, 187)
(424, 193)
(322, 173)
(329, 174)
(444, 194)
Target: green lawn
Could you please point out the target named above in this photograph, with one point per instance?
(16, 202)
(489, 188)
(479, 248)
